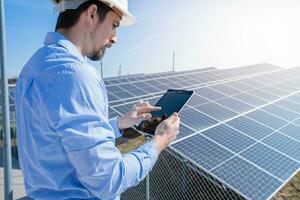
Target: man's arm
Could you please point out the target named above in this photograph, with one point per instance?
(88, 138)
(98, 163)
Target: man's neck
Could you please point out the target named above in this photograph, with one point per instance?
(76, 38)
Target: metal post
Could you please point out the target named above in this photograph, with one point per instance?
(120, 71)
(5, 111)
(101, 69)
(148, 177)
(173, 60)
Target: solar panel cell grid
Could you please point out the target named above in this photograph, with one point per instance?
(263, 95)
(250, 99)
(225, 89)
(254, 83)
(184, 131)
(284, 144)
(250, 127)
(216, 111)
(248, 179)
(230, 138)
(197, 100)
(240, 85)
(203, 151)
(267, 119)
(235, 105)
(281, 112)
(195, 119)
(275, 91)
(290, 105)
(209, 93)
(272, 161)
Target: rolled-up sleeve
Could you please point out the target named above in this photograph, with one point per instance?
(88, 138)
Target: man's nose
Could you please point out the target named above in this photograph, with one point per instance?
(113, 39)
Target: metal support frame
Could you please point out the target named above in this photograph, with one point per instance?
(5, 110)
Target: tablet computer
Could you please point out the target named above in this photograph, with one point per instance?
(172, 101)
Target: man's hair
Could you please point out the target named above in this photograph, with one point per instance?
(69, 18)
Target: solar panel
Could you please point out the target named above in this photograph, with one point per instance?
(267, 119)
(229, 138)
(184, 131)
(159, 82)
(295, 98)
(291, 130)
(225, 89)
(290, 105)
(275, 91)
(123, 94)
(253, 82)
(263, 95)
(111, 97)
(240, 85)
(281, 112)
(248, 179)
(209, 93)
(216, 111)
(297, 122)
(112, 113)
(203, 151)
(195, 119)
(271, 161)
(234, 104)
(197, 100)
(249, 99)
(151, 89)
(250, 127)
(284, 144)
(124, 108)
(284, 87)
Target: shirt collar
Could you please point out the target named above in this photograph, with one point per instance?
(60, 39)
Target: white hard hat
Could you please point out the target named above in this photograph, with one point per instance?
(121, 5)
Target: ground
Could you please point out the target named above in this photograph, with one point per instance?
(291, 191)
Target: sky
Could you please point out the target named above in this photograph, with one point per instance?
(203, 33)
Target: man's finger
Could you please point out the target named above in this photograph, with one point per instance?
(147, 109)
(174, 117)
(144, 116)
(143, 104)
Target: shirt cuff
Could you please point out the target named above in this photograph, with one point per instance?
(114, 125)
(150, 148)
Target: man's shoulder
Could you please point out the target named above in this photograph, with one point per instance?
(53, 60)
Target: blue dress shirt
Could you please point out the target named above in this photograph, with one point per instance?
(66, 143)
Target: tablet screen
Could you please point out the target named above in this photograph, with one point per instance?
(172, 101)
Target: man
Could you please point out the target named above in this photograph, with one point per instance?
(65, 139)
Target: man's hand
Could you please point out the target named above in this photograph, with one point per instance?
(150, 125)
(166, 132)
(138, 113)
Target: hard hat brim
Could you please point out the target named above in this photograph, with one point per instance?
(128, 19)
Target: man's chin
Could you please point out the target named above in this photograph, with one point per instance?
(96, 56)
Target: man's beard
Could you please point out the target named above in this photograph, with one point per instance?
(97, 55)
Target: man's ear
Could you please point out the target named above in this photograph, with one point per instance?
(92, 14)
